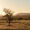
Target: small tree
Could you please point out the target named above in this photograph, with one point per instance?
(9, 13)
(28, 18)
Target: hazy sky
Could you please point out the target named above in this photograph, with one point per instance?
(16, 5)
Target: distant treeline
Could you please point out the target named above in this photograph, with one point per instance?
(21, 18)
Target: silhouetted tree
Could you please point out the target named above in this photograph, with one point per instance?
(20, 18)
(9, 14)
(29, 18)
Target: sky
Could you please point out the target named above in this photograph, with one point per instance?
(17, 6)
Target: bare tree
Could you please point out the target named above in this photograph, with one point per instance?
(9, 13)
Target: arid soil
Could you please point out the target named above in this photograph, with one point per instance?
(18, 24)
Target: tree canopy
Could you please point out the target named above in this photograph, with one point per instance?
(8, 11)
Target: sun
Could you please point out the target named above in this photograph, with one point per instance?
(1, 12)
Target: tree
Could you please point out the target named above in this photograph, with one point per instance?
(28, 18)
(9, 14)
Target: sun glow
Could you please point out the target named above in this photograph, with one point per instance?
(1, 12)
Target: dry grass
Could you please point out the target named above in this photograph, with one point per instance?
(22, 24)
(18, 24)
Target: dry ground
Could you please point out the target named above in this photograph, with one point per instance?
(18, 24)
(22, 24)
